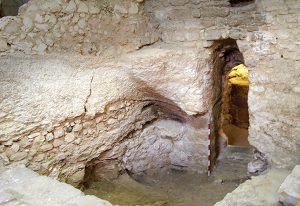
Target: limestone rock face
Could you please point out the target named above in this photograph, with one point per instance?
(21, 186)
(155, 73)
(259, 191)
(79, 109)
(3, 45)
(274, 75)
(166, 143)
(273, 97)
(155, 61)
(289, 191)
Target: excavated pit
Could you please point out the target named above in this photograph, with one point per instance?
(152, 172)
(115, 97)
(175, 187)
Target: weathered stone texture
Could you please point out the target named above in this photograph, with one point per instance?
(72, 112)
(259, 191)
(273, 96)
(84, 106)
(267, 35)
(289, 191)
(203, 20)
(21, 186)
(166, 142)
(87, 27)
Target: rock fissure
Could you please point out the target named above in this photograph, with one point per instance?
(148, 44)
(89, 95)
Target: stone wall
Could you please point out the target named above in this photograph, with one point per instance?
(275, 77)
(194, 22)
(69, 113)
(86, 27)
(61, 114)
(267, 35)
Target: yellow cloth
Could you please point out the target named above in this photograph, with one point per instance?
(239, 75)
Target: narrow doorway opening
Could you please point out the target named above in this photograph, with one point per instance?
(233, 117)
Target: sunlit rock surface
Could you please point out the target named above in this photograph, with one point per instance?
(109, 69)
(21, 186)
(289, 191)
(259, 191)
(60, 114)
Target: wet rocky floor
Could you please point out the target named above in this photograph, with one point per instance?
(173, 187)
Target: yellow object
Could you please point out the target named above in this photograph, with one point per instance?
(239, 75)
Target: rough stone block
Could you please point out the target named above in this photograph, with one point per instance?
(3, 45)
(178, 2)
(18, 156)
(289, 191)
(214, 12)
(58, 133)
(25, 187)
(28, 23)
(259, 191)
(82, 7)
(212, 34)
(12, 27)
(71, 7)
(69, 137)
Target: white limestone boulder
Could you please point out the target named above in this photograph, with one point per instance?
(289, 191)
(259, 191)
(21, 186)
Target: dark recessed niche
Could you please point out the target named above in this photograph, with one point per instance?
(240, 3)
(10, 7)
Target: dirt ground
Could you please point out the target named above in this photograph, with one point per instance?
(173, 187)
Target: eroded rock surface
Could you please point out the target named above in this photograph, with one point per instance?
(66, 115)
(289, 191)
(62, 112)
(166, 142)
(87, 27)
(259, 191)
(21, 186)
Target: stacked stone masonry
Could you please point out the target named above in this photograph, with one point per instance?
(81, 116)
(86, 27)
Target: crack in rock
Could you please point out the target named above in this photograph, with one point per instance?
(89, 95)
